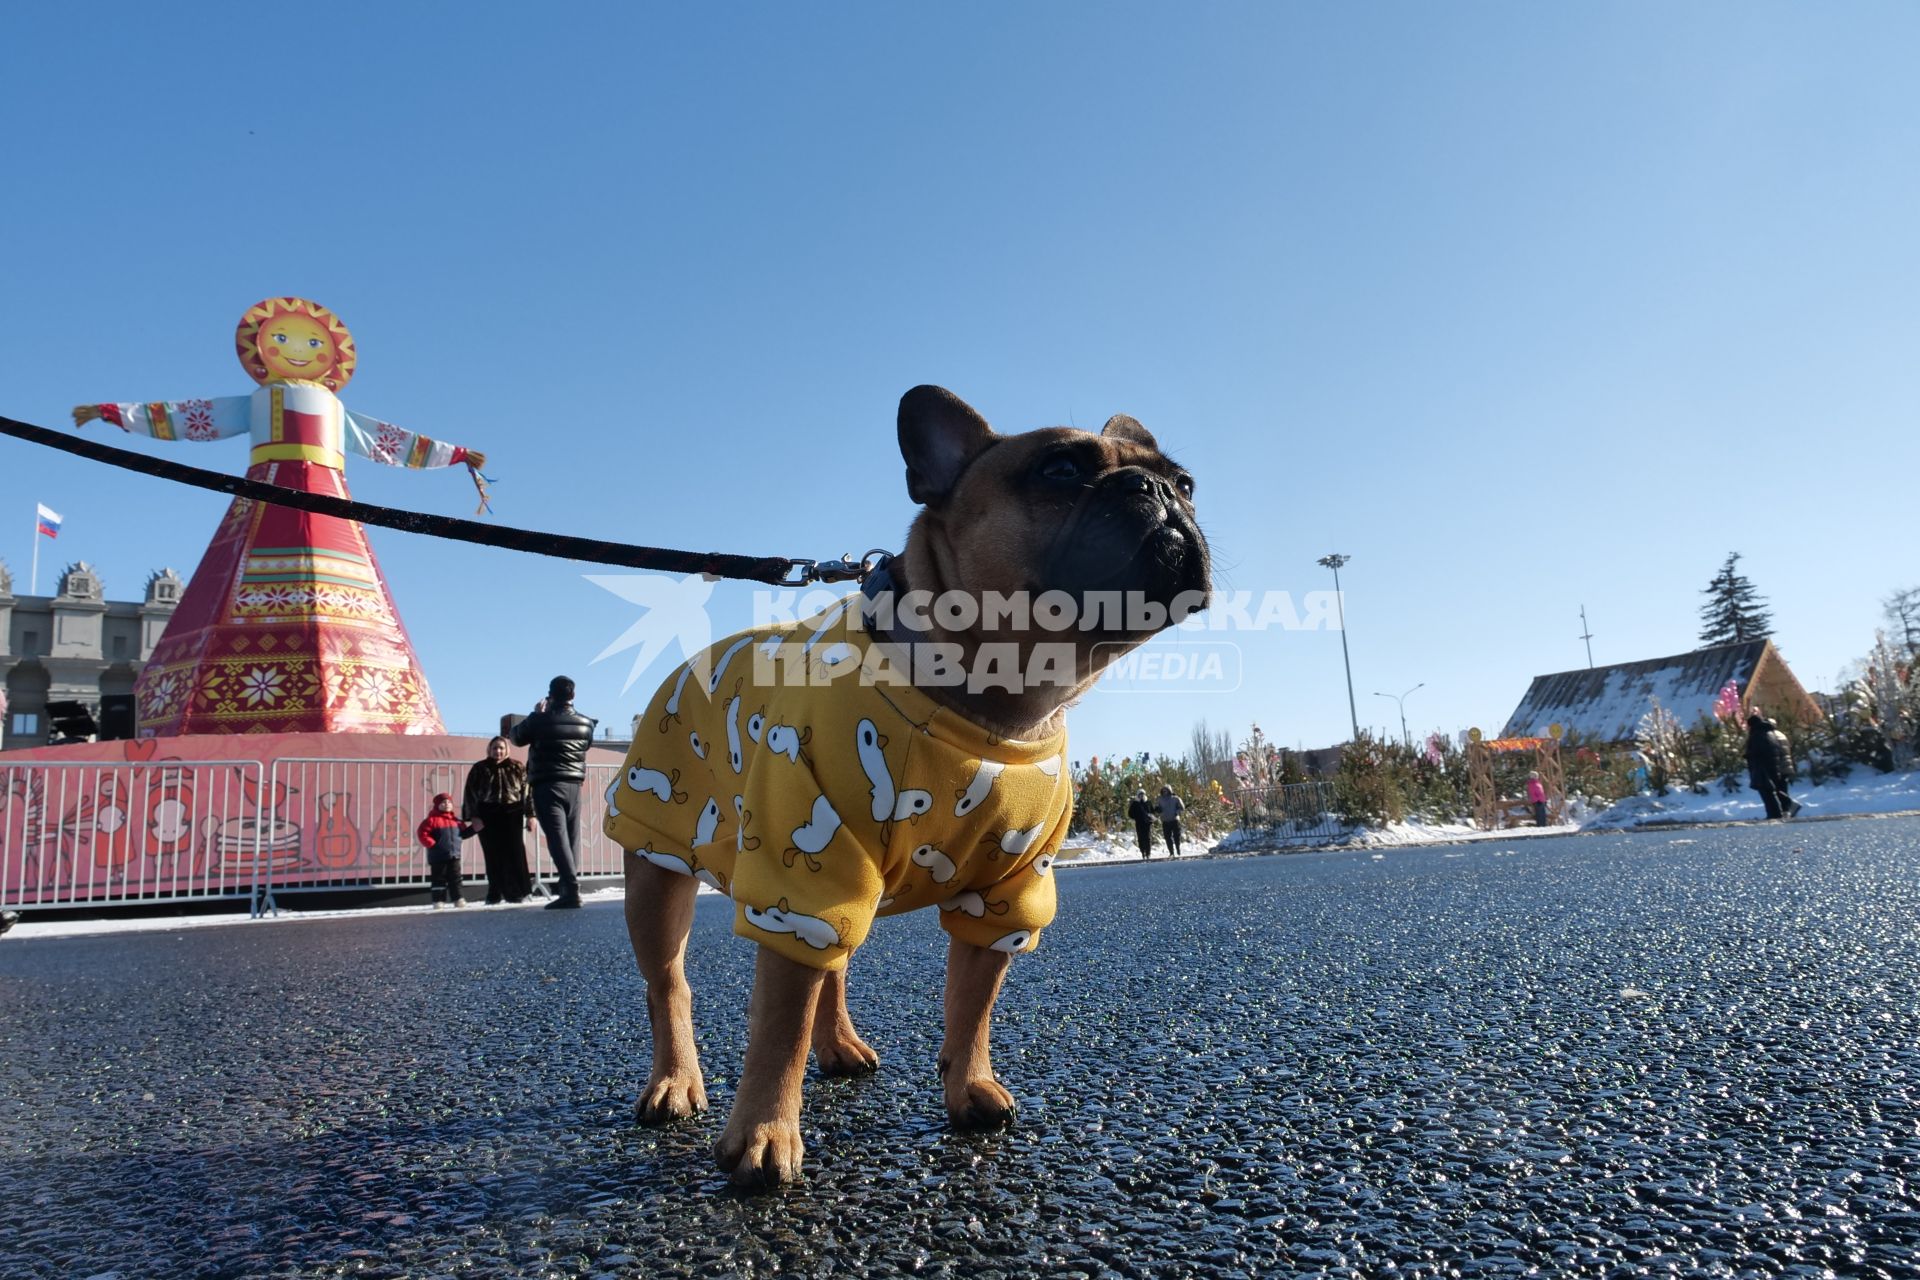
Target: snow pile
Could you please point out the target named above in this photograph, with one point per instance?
(1863, 791)
(1084, 849)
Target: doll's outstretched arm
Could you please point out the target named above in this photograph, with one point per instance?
(172, 419)
(398, 447)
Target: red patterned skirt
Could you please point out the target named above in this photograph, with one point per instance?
(286, 627)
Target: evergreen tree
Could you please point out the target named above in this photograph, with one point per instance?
(1734, 612)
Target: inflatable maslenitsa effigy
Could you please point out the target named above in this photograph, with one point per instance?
(287, 625)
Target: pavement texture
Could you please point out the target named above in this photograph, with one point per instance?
(1691, 1054)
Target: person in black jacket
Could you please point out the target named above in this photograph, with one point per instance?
(1770, 766)
(1141, 811)
(497, 792)
(557, 737)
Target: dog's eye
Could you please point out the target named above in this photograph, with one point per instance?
(1184, 483)
(1060, 467)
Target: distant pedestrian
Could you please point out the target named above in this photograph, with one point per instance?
(1537, 797)
(1770, 766)
(498, 793)
(441, 833)
(557, 737)
(1170, 811)
(1783, 771)
(1141, 811)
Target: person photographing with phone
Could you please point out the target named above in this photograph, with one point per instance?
(557, 737)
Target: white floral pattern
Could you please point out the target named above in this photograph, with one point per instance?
(261, 686)
(159, 695)
(376, 687)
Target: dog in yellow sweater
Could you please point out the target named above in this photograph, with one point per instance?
(905, 749)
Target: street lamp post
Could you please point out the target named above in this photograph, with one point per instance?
(1400, 699)
(1334, 562)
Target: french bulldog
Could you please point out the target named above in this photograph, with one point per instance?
(905, 749)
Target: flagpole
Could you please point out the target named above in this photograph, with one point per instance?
(36, 553)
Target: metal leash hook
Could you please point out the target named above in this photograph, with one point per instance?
(804, 573)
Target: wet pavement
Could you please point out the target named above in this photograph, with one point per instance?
(1659, 1054)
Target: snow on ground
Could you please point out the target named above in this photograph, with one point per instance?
(53, 925)
(1863, 792)
(1085, 849)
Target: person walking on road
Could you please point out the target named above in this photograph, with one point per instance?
(1170, 810)
(1770, 766)
(1141, 811)
(557, 737)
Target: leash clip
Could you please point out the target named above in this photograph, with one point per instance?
(801, 573)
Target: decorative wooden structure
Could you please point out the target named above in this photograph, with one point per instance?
(1605, 704)
(1490, 812)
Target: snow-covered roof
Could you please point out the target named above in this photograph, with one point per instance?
(1604, 704)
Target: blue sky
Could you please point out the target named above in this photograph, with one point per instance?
(1522, 306)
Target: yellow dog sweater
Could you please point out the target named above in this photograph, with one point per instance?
(795, 769)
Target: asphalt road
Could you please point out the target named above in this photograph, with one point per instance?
(1688, 1053)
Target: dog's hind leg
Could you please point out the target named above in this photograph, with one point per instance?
(761, 1146)
(837, 1047)
(975, 1098)
(659, 915)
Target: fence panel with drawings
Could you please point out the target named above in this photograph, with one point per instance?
(104, 833)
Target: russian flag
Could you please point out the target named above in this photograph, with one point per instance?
(49, 520)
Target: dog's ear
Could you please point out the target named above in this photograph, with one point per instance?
(939, 435)
(1121, 427)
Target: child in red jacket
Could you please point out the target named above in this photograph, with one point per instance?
(442, 833)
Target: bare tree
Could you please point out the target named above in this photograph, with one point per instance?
(1211, 754)
(1903, 615)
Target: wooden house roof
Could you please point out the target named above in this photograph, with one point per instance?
(1605, 704)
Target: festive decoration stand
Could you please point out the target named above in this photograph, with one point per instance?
(1489, 811)
(287, 625)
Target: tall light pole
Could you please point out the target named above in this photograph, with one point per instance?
(1401, 700)
(1334, 562)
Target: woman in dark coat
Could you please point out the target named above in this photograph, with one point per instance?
(1770, 766)
(497, 791)
(1141, 811)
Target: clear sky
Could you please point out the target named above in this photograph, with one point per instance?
(1522, 306)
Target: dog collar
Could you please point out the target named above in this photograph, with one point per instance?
(879, 582)
(879, 578)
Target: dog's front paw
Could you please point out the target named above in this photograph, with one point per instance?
(760, 1155)
(669, 1098)
(979, 1104)
(844, 1053)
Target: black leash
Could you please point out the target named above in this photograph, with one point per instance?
(779, 571)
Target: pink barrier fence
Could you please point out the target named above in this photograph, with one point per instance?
(110, 833)
(94, 834)
(350, 823)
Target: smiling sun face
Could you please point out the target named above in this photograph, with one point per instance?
(295, 340)
(297, 347)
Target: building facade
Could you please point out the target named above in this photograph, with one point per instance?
(76, 646)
